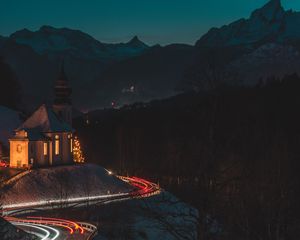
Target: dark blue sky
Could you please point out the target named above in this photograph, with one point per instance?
(154, 21)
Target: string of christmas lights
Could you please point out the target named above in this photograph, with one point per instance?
(77, 152)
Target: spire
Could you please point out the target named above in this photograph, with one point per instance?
(62, 88)
(62, 74)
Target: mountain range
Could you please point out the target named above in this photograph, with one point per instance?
(271, 23)
(36, 57)
(265, 44)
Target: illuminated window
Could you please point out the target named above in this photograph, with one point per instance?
(56, 144)
(45, 149)
(71, 144)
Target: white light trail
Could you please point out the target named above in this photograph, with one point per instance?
(54, 230)
(45, 237)
(41, 227)
(64, 201)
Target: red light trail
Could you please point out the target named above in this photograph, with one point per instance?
(143, 189)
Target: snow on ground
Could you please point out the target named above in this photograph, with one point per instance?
(165, 217)
(63, 182)
(9, 232)
(10, 120)
(161, 217)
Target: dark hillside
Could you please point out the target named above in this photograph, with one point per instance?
(233, 153)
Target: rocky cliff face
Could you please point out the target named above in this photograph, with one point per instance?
(266, 44)
(269, 23)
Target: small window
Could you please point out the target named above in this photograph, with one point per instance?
(71, 144)
(56, 145)
(45, 149)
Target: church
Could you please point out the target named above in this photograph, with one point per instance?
(46, 137)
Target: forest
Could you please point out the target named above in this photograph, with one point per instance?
(232, 152)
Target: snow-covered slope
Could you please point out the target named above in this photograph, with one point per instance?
(267, 61)
(165, 217)
(161, 217)
(266, 44)
(269, 23)
(63, 182)
(9, 121)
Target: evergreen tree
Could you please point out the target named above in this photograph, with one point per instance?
(77, 152)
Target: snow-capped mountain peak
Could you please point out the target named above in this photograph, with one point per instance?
(269, 23)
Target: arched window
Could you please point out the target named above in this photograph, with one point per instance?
(45, 148)
(56, 145)
(71, 142)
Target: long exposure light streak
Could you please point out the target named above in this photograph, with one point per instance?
(142, 189)
(58, 220)
(65, 201)
(47, 233)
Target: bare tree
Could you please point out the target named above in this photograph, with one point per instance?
(171, 216)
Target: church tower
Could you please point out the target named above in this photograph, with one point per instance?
(62, 105)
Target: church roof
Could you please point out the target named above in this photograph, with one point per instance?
(34, 134)
(45, 120)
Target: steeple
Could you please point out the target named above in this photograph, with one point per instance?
(62, 89)
(62, 104)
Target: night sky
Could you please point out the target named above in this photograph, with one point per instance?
(154, 21)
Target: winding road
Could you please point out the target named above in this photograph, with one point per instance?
(60, 229)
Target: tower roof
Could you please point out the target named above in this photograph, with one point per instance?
(62, 90)
(62, 74)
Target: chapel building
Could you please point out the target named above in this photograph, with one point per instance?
(46, 137)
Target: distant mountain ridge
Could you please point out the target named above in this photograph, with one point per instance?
(35, 57)
(266, 44)
(269, 23)
(49, 40)
(245, 51)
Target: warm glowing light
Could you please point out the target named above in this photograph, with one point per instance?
(45, 149)
(56, 145)
(77, 152)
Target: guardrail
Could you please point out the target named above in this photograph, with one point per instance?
(90, 228)
(15, 178)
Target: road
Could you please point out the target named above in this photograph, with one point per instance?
(7, 173)
(60, 229)
(53, 228)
